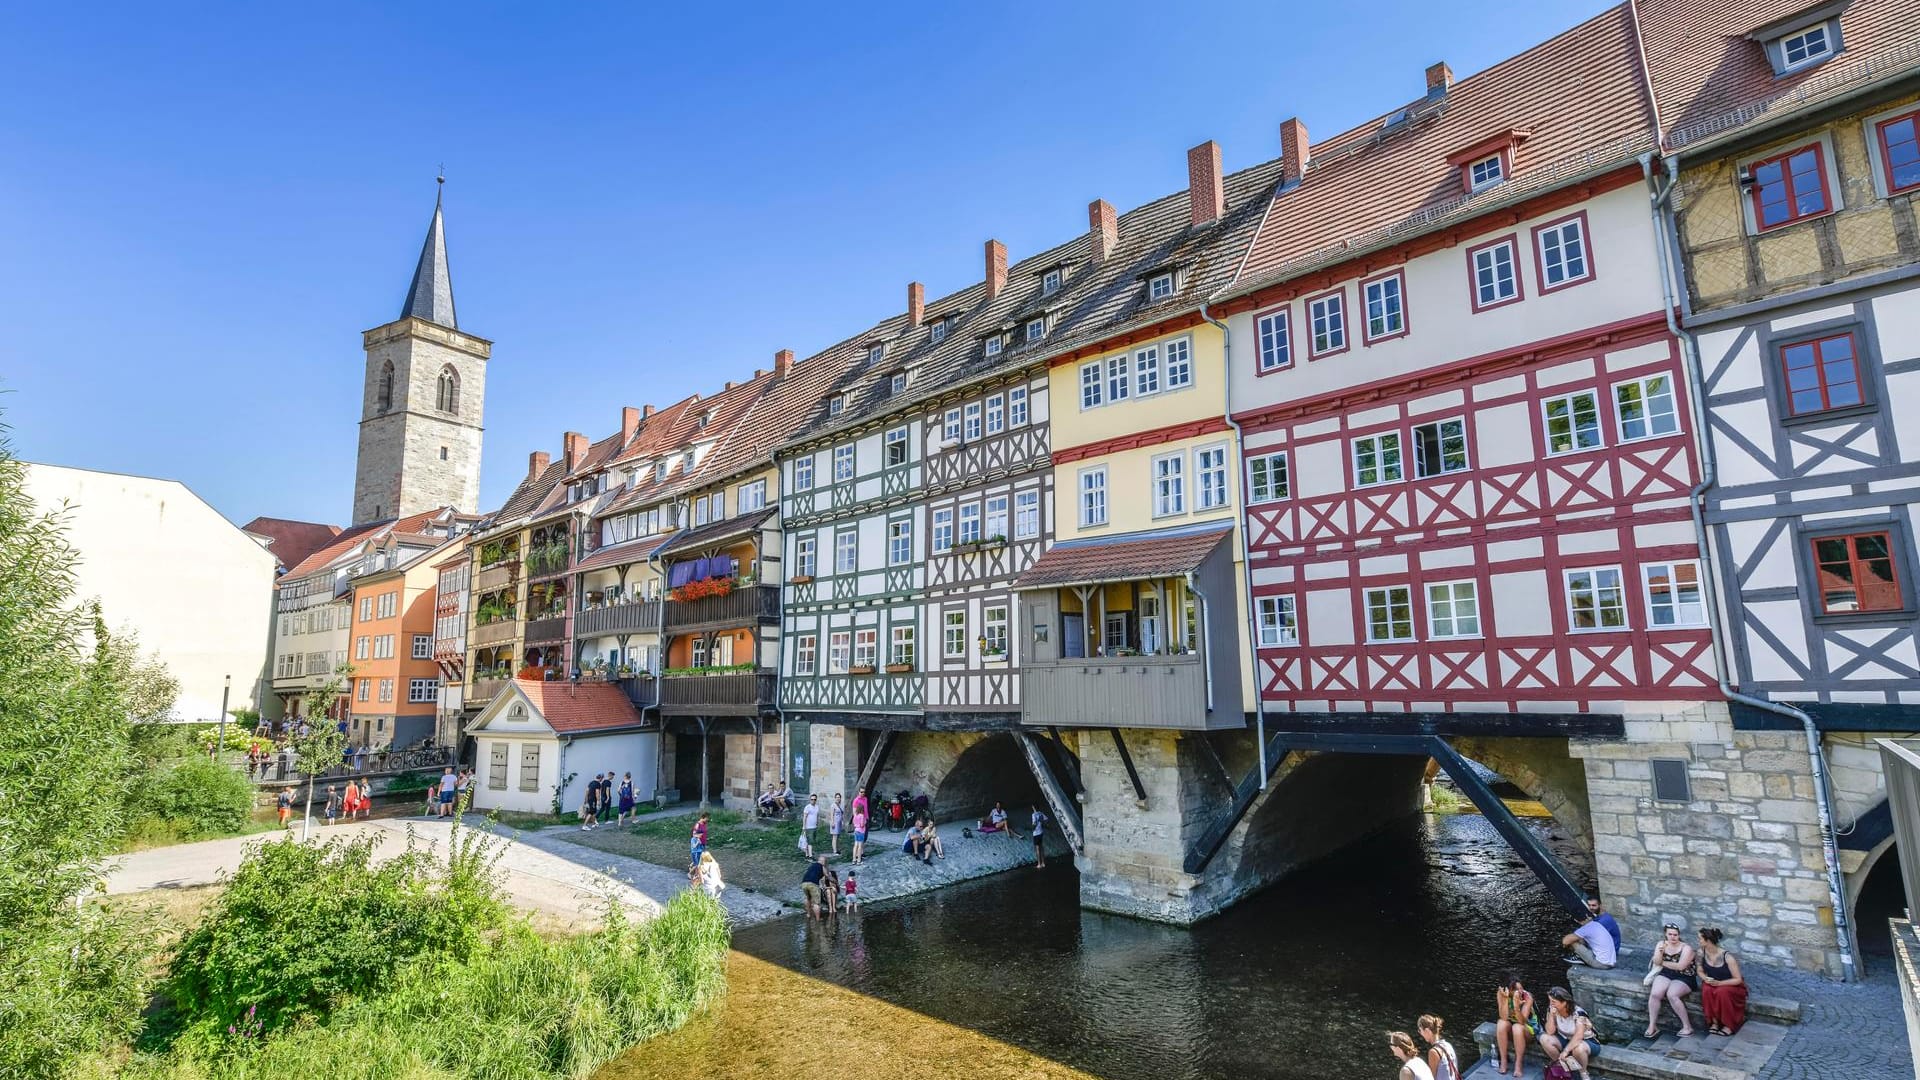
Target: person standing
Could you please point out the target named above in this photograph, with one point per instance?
(350, 802)
(626, 797)
(590, 805)
(710, 878)
(1040, 840)
(809, 821)
(332, 809)
(463, 790)
(1723, 992)
(859, 829)
(283, 804)
(835, 815)
(1441, 1060)
(850, 891)
(448, 782)
(700, 830)
(1411, 1067)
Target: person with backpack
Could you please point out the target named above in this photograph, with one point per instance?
(1441, 1060)
(1039, 839)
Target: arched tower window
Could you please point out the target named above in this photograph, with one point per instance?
(386, 387)
(448, 395)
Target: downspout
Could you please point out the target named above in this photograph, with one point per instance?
(1665, 235)
(1246, 564)
(1206, 639)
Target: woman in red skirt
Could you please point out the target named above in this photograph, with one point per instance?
(1723, 993)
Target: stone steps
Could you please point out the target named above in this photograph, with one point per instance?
(1669, 1057)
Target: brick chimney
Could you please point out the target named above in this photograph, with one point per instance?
(759, 373)
(916, 303)
(629, 423)
(1206, 194)
(646, 411)
(1293, 150)
(782, 363)
(996, 268)
(1104, 225)
(576, 445)
(1439, 78)
(537, 463)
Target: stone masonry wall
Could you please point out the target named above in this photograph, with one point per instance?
(834, 760)
(1135, 849)
(736, 784)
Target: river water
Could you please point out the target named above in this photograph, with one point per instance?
(1299, 982)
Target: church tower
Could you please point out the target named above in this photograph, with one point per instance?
(420, 416)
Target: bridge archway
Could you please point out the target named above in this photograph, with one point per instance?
(1543, 769)
(962, 773)
(1317, 803)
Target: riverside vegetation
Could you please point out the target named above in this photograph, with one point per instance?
(314, 959)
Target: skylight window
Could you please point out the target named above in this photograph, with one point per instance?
(1160, 286)
(1050, 283)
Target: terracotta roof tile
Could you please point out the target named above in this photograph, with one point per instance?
(1130, 557)
(573, 708)
(348, 539)
(715, 531)
(620, 554)
(292, 540)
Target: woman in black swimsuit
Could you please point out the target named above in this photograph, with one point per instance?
(1672, 973)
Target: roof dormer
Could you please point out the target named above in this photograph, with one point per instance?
(1802, 40)
(1489, 162)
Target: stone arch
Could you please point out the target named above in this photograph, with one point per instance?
(1315, 804)
(961, 773)
(1874, 891)
(1543, 769)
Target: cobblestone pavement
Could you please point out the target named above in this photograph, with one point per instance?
(1853, 1032)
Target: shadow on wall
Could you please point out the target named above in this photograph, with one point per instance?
(1320, 803)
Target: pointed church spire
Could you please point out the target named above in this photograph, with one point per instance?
(430, 297)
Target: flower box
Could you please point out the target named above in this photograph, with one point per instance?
(896, 669)
(800, 579)
(860, 669)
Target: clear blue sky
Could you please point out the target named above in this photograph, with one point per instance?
(201, 206)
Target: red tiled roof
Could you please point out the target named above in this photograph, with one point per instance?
(571, 708)
(715, 531)
(292, 540)
(348, 538)
(620, 554)
(1133, 557)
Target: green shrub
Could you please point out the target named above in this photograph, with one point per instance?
(302, 928)
(76, 991)
(195, 797)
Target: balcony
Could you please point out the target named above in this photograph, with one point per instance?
(1117, 691)
(481, 691)
(493, 633)
(743, 606)
(495, 577)
(745, 693)
(553, 628)
(548, 561)
(638, 617)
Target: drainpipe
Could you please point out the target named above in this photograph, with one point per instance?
(1246, 564)
(1665, 234)
(1206, 639)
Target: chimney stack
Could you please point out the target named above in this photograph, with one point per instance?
(576, 445)
(537, 463)
(996, 268)
(629, 423)
(1206, 194)
(916, 303)
(759, 373)
(1293, 150)
(646, 411)
(1439, 79)
(730, 384)
(1104, 224)
(782, 363)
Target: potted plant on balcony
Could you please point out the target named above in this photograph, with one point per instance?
(860, 669)
(701, 589)
(800, 579)
(899, 669)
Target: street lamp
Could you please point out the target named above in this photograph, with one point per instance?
(220, 740)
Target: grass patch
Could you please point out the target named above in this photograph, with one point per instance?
(753, 853)
(521, 819)
(149, 833)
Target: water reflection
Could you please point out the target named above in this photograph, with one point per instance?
(1298, 982)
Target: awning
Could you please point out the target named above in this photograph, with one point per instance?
(619, 554)
(718, 532)
(1130, 557)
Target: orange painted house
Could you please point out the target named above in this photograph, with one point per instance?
(395, 692)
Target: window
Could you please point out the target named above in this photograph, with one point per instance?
(1269, 477)
(973, 421)
(876, 352)
(1210, 468)
(1050, 283)
(753, 496)
(994, 631)
(1439, 448)
(1017, 406)
(1822, 373)
(1113, 633)
(719, 501)
(996, 414)
(447, 393)
(943, 530)
(899, 542)
(997, 517)
(1093, 496)
(866, 646)
(806, 556)
(700, 510)
(1390, 614)
(366, 609)
(970, 523)
(699, 651)
(1037, 328)
(1376, 459)
(1160, 286)
(386, 689)
(1573, 422)
(950, 426)
(422, 690)
(423, 646)
(497, 766)
(529, 766)
(953, 634)
(1496, 278)
(1486, 172)
(1595, 600)
(1674, 597)
(896, 447)
(1386, 307)
(839, 652)
(803, 473)
(1562, 248)
(1453, 610)
(836, 404)
(385, 392)
(994, 345)
(1809, 46)
(1276, 344)
(1117, 385)
(1169, 485)
(846, 552)
(1644, 407)
(1900, 151)
(806, 659)
(1327, 317)
(1277, 622)
(1146, 371)
(1790, 187)
(1092, 390)
(1026, 515)
(842, 463)
(898, 384)
(364, 692)
(383, 647)
(1856, 573)
(1179, 363)
(900, 647)
(360, 648)
(938, 332)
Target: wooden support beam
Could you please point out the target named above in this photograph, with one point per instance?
(1133, 774)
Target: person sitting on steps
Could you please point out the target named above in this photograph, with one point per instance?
(1723, 992)
(1670, 977)
(1567, 1036)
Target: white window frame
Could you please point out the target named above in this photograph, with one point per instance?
(1420, 470)
(1650, 417)
(954, 629)
(836, 404)
(753, 496)
(993, 628)
(996, 517)
(937, 333)
(846, 551)
(971, 432)
(1178, 363)
(1091, 492)
(1682, 621)
(1093, 386)
(1596, 586)
(423, 691)
(996, 414)
(1327, 321)
(1809, 58)
(1210, 478)
(1383, 597)
(1260, 488)
(894, 438)
(901, 648)
(803, 473)
(1576, 227)
(843, 463)
(1160, 286)
(942, 531)
(1169, 479)
(1387, 454)
(1479, 178)
(1279, 621)
(1275, 332)
(1050, 283)
(866, 646)
(1447, 606)
(806, 556)
(1571, 401)
(1492, 267)
(898, 384)
(422, 647)
(1396, 314)
(1017, 406)
(994, 345)
(839, 651)
(1119, 377)
(806, 654)
(899, 541)
(1146, 371)
(1026, 515)
(1036, 328)
(969, 523)
(950, 426)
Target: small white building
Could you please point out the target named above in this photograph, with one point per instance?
(196, 589)
(538, 737)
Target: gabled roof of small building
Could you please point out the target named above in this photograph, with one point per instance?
(1126, 557)
(292, 541)
(580, 708)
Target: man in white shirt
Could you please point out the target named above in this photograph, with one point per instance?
(1591, 945)
(809, 821)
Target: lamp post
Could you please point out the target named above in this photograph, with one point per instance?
(220, 740)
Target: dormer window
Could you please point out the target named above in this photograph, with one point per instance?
(1160, 286)
(1050, 283)
(1486, 172)
(994, 345)
(836, 405)
(686, 461)
(1802, 40)
(1037, 328)
(660, 468)
(938, 332)
(1488, 162)
(899, 383)
(1809, 46)
(876, 352)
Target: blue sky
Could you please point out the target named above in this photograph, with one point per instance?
(201, 206)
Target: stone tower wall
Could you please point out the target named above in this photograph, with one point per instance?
(414, 457)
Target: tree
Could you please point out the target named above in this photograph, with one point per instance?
(323, 744)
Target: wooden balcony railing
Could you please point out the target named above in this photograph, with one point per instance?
(638, 617)
(743, 606)
(484, 690)
(548, 629)
(1117, 691)
(498, 576)
(735, 694)
(493, 633)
